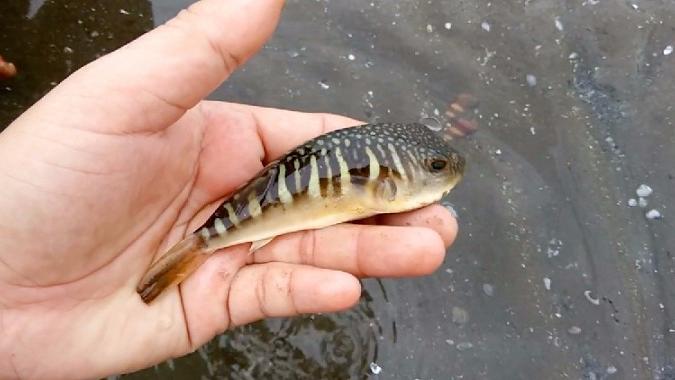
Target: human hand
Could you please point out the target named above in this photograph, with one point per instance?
(123, 159)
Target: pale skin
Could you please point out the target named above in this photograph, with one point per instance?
(123, 159)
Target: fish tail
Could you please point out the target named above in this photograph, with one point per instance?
(178, 263)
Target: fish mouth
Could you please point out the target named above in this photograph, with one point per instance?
(452, 183)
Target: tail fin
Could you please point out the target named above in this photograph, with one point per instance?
(172, 268)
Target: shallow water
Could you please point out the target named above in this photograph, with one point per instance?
(554, 274)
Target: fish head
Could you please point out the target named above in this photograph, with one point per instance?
(441, 168)
(436, 166)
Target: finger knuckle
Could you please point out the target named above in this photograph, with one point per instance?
(308, 247)
(261, 293)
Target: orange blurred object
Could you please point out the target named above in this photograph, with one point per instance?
(7, 69)
(461, 117)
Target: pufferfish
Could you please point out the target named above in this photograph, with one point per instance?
(341, 176)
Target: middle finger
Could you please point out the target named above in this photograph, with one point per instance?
(362, 250)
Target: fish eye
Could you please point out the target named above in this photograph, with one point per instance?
(438, 165)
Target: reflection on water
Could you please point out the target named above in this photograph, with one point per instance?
(333, 346)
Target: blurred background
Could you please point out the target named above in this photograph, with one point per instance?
(564, 265)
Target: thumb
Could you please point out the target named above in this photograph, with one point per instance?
(150, 83)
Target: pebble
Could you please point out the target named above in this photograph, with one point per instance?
(547, 283)
(574, 330)
(486, 27)
(463, 346)
(643, 191)
(351, 57)
(668, 50)
(430, 28)
(632, 202)
(594, 301)
(459, 315)
(448, 25)
(489, 290)
(653, 214)
(642, 202)
(531, 80)
(375, 369)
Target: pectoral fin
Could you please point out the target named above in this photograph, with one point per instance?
(386, 190)
(256, 245)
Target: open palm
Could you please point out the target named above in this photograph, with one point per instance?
(121, 161)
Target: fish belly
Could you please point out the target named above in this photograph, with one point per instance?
(303, 214)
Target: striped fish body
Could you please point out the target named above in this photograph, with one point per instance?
(340, 176)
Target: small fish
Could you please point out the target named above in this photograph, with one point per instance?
(461, 120)
(341, 176)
